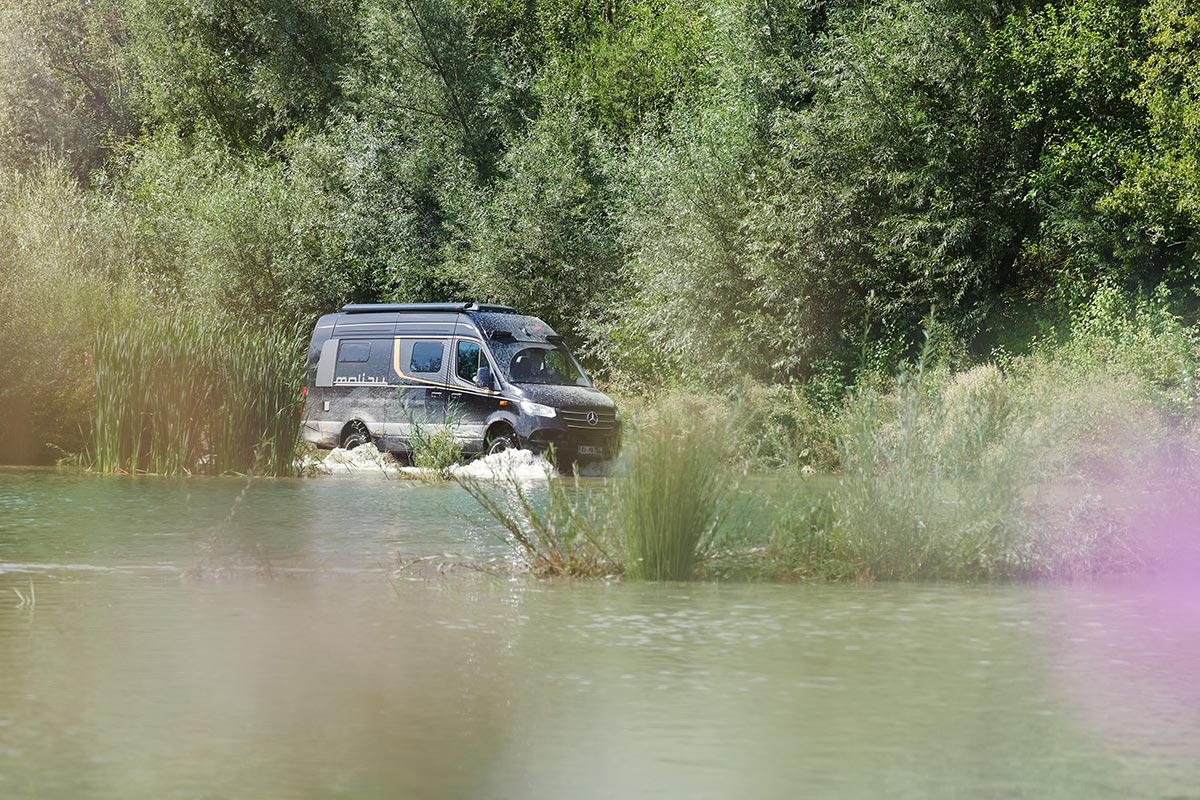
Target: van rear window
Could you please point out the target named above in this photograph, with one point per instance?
(426, 357)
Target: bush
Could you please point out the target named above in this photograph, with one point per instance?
(977, 473)
(63, 274)
(1140, 337)
(777, 427)
(243, 236)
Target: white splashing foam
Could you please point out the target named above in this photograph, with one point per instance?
(521, 464)
(364, 459)
(367, 460)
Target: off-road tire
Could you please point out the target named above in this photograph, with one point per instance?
(355, 437)
(499, 442)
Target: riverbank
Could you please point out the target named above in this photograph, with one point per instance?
(1032, 466)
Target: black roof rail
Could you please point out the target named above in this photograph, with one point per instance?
(417, 308)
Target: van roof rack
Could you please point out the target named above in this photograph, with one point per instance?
(418, 308)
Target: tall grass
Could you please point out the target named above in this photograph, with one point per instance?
(435, 448)
(567, 535)
(672, 497)
(181, 231)
(655, 520)
(63, 261)
(993, 472)
(930, 487)
(178, 395)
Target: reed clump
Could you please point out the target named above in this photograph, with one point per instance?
(656, 519)
(566, 535)
(672, 497)
(435, 452)
(183, 395)
(435, 449)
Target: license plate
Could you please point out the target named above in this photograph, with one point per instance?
(588, 450)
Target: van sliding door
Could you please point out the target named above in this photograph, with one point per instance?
(423, 364)
(352, 383)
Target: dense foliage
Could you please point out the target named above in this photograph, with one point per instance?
(696, 193)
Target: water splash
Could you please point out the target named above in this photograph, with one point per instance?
(369, 461)
(520, 464)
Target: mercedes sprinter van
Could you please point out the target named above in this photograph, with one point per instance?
(387, 373)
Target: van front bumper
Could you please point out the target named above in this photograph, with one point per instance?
(573, 445)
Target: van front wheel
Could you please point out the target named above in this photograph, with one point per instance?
(500, 441)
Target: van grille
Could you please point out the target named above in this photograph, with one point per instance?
(578, 418)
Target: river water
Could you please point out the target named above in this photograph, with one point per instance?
(313, 639)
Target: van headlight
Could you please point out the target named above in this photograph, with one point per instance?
(537, 409)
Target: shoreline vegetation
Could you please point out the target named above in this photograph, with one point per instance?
(1078, 460)
(185, 395)
(1067, 462)
(742, 216)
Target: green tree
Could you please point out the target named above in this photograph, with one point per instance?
(252, 237)
(1064, 75)
(248, 70)
(63, 82)
(1159, 200)
(542, 236)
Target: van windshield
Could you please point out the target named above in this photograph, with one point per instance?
(526, 362)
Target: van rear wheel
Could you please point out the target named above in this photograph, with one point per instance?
(355, 437)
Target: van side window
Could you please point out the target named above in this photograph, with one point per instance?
(363, 361)
(426, 357)
(354, 352)
(467, 360)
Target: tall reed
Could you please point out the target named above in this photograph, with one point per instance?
(180, 394)
(672, 497)
(564, 536)
(655, 521)
(435, 449)
(932, 473)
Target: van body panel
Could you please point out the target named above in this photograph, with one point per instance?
(325, 364)
(567, 396)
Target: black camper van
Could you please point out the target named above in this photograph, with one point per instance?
(500, 379)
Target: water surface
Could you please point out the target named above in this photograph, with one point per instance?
(222, 639)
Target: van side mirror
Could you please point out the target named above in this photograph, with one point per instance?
(484, 379)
